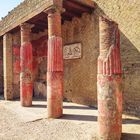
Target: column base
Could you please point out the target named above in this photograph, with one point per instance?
(54, 108)
(27, 103)
(54, 94)
(109, 107)
(26, 95)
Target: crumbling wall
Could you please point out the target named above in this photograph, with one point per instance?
(1, 66)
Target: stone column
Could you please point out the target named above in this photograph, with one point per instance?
(26, 56)
(7, 66)
(55, 65)
(109, 82)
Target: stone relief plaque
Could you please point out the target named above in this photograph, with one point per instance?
(72, 51)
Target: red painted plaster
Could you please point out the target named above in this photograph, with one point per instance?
(40, 47)
(109, 82)
(26, 87)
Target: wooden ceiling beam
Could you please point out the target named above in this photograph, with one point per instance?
(66, 18)
(36, 28)
(38, 17)
(73, 12)
(37, 24)
(68, 14)
(44, 19)
(76, 6)
(42, 23)
(86, 3)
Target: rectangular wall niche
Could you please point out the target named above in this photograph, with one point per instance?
(72, 51)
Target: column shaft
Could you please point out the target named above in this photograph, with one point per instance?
(26, 56)
(109, 82)
(7, 66)
(54, 66)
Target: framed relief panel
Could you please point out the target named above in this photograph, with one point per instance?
(72, 51)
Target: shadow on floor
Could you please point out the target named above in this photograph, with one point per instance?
(80, 107)
(79, 117)
(39, 106)
(76, 116)
(131, 121)
(39, 99)
(130, 136)
(1, 97)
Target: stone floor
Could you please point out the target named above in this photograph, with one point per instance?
(78, 123)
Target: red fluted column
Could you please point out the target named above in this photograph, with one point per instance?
(26, 56)
(109, 82)
(54, 66)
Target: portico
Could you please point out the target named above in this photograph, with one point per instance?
(49, 19)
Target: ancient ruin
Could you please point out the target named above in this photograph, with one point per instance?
(66, 50)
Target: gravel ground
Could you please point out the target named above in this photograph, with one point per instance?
(12, 128)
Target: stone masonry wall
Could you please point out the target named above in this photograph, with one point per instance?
(80, 74)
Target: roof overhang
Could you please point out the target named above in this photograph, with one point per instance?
(29, 9)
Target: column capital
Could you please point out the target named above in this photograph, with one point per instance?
(6, 34)
(25, 32)
(109, 61)
(26, 26)
(54, 9)
(54, 22)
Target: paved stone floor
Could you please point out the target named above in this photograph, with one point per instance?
(78, 123)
